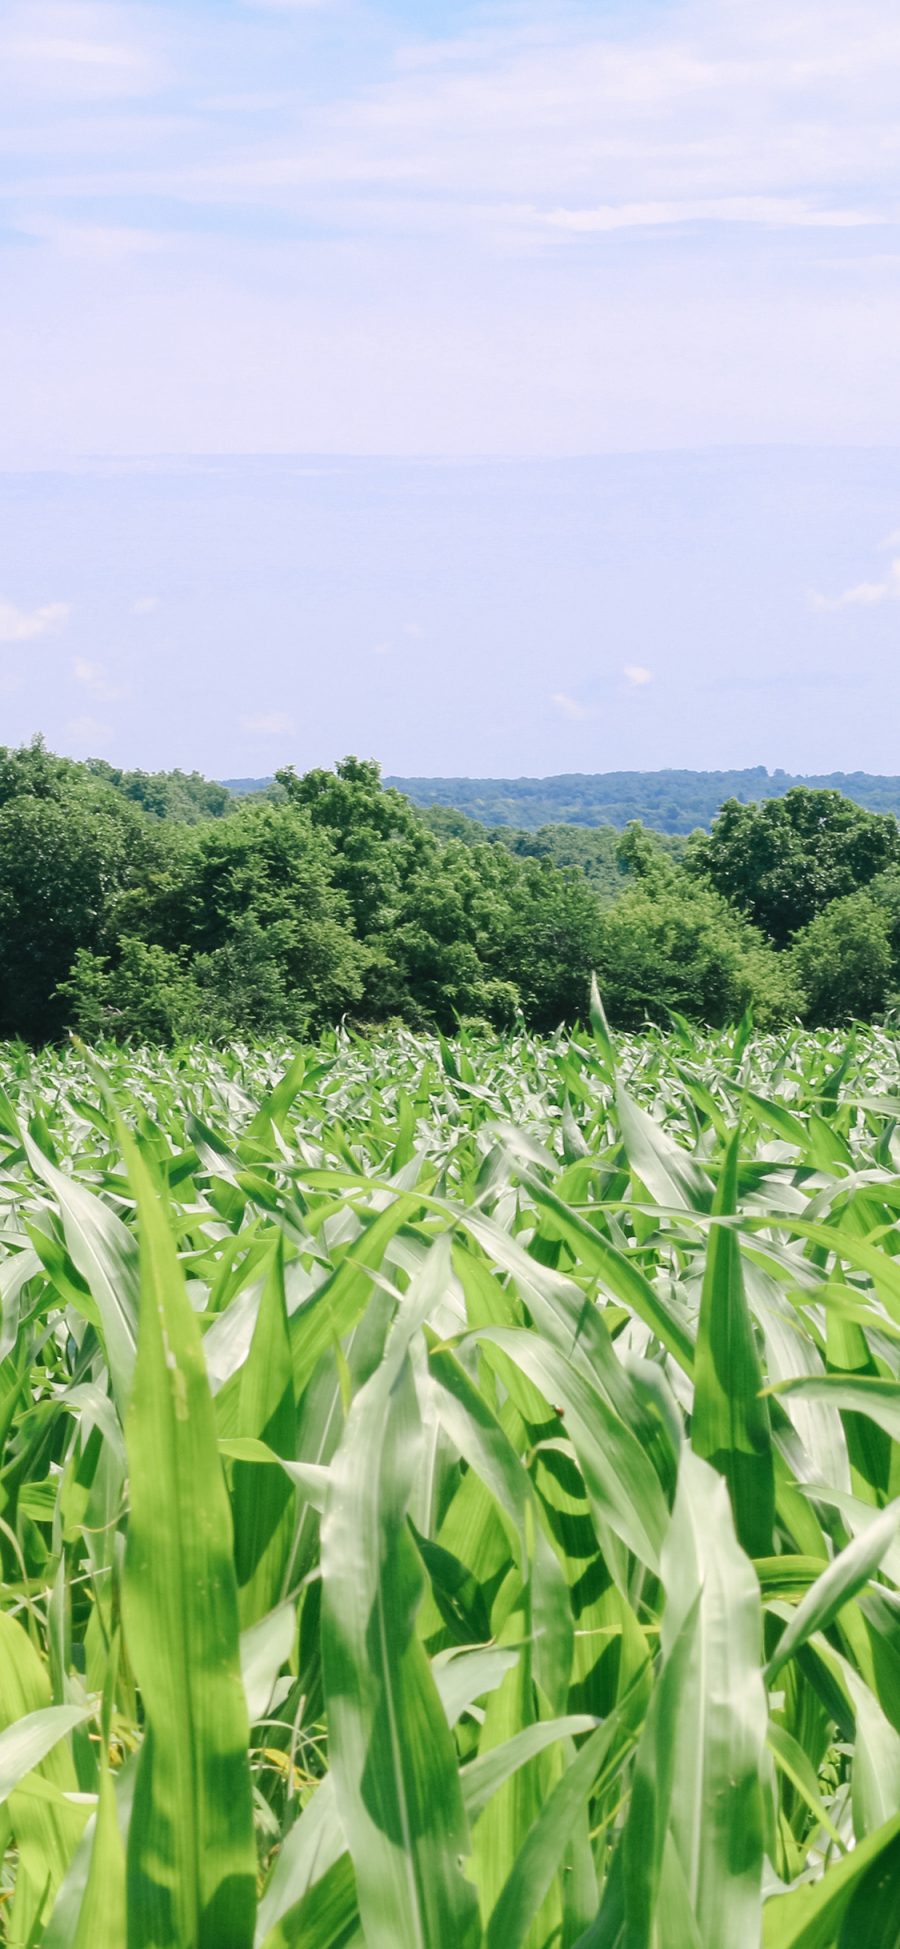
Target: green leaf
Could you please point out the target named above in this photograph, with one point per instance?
(668, 1171)
(263, 1500)
(26, 1743)
(103, 1250)
(191, 1855)
(265, 1647)
(312, 1846)
(811, 1917)
(553, 1831)
(730, 1420)
(391, 1750)
(102, 1916)
(46, 1831)
(879, 1399)
(622, 1484)
(720, 1713)
(600, 1026)
(488, 1771)
(797, 1767)
(326, 1917)
(849, 1571)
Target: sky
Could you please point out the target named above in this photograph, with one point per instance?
(486, 388)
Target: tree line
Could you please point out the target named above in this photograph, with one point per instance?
(151, 906)
(670, 801)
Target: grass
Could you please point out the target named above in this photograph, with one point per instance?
(449, 1494)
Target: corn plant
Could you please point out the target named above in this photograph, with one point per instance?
(450, 1493)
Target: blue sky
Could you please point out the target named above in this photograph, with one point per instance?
(491, 388)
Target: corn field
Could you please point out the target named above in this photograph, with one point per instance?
(450, 1494)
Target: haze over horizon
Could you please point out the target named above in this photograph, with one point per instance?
(496, 390)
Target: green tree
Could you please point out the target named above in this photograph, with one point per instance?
(377, 839)
(63, 861)
(167, 794)
(258, 889)
(681, 946)
(785, 860)
(434, 965)
(548, 941)
(843, 960)
(148, 996)
(249, 986)
(31, 771)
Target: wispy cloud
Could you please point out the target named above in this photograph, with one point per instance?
(23, 625)
(570, 707)
(582, 161)
(93, 242)
(285, 6)
(775, 212)
(95, 680)
(268, 724)
(864, 595)
(88, 734)
(144, 605)
(637, 675)
(76, 49)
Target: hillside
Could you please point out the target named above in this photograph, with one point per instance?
(669, 801)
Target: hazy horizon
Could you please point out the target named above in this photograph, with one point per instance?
(709, 611)
(500, 388)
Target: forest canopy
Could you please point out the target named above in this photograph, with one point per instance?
(160, 907)
(669, 801)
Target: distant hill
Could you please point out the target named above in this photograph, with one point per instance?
(243, 787)
(670, 801)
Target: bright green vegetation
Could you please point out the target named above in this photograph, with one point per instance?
(130, 907)
(450, 1493)
(670, 801)
(595, 851)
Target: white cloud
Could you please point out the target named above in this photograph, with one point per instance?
(775, 212)
(75, 49)
(84, 672)
(268, 724)
(285, 6)
(94, 678)
(729, 114)
(144, 605)
(88, 733)
(864, 595)
(92, 242)
(570, 706)
(581, 162)
(637, 674)
(22, 625)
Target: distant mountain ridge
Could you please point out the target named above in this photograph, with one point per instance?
(669, 801)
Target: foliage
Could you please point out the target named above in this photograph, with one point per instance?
(129, 907)
(148, 994)
(185, 796)
(843, 960)
(62, 859)
(448, 1493)
(669, 801)
(675, 944)
(783, 862)
(594, 851)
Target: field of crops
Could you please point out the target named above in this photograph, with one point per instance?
(450, 1494)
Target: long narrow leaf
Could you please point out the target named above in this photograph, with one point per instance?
(191, 1858)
